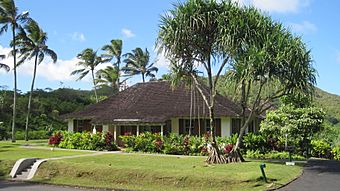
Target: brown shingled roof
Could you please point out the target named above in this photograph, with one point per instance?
(152, 102)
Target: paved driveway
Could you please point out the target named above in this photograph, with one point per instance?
(21, 186)
(318, 175)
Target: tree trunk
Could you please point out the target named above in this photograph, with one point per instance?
(143, 78)
(214, 155)
(30, 97)
(118, 75)
(94, 85)
(15, 85)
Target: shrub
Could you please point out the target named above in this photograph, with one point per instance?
(336, 152)
(87, 141)
(252, 141)
(55, 139)
(320, 149)
(32, 135)
(271, 155)
(173, 144)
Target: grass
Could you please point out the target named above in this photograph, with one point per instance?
(10, 152)
(135, 171)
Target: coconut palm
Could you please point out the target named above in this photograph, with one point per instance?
(4, 66)
(9, 17)
(114, 50)
(137, 62)
(33, 45)
(89, 61)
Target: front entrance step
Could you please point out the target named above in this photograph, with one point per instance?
(22, 168)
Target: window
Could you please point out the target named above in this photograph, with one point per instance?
(235, 126)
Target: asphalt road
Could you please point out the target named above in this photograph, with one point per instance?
(318, 175)
(22, 186)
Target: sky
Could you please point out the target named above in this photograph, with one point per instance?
(73, 25)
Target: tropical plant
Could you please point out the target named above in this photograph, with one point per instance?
(114, 50)
(138, 62)
(9, 17)
(4, 66)
(262, 54)
(89, 60)
(189, 38)
(33, 45)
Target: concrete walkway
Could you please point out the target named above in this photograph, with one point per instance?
(318, 175)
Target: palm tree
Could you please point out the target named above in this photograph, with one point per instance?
(9, 17)
(4, 66)
(114, 50)
(89, 61)
(107, 77)
(137, 62)
(33, 45)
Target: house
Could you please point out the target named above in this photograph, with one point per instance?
(159, 108)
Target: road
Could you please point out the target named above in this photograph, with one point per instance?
(22, 186)
(318, 175)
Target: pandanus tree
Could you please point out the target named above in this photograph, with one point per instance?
(31, 42)
(9, 17)
(89, 60)
(259, 51)
(114, 51)
(138, 63)
(4, 66)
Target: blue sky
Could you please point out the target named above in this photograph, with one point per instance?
(73, 25)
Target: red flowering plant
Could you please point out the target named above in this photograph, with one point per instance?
(55, 139)
(159, 144)
(228, 148)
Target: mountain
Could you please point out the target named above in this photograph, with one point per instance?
(330, 103)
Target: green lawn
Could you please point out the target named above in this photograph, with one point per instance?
(135, 171)
(10, 152)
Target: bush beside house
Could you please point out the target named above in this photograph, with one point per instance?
(83, 141)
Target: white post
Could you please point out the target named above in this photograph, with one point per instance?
(161, 130)
(70, 126)
(115, 133)
(137, 130)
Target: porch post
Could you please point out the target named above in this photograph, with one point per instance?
(162, 130)
(137, 130)
(115, 133)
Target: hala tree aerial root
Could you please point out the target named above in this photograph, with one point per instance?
(216, 158)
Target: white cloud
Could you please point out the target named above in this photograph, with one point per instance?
(59, 71)
(162, 61)
(304, 27)
(128, 33)
(338, 57)
(279, 6)
(77, 36)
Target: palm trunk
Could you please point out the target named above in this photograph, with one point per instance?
(94, 85)
(143, 77)
(15, 85)
(30, 97)
(118, 69)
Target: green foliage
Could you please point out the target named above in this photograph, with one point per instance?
(271, 155)
(171, 144)
(336, 152)
(87, 141)
(37, 134)
(298, 123)
(320, 149)
(252, 141)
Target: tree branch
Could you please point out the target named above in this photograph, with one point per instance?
(220, 70)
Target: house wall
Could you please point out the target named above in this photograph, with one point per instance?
(175, 125)
(225, 126)
(70, 127)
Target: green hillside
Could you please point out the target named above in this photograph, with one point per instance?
(330, 103)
